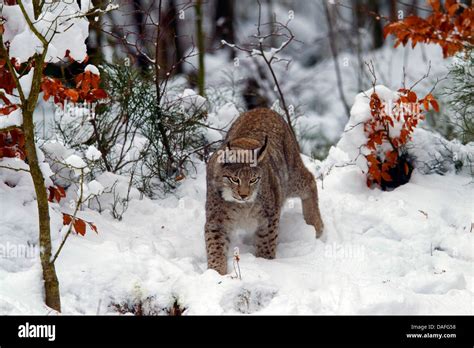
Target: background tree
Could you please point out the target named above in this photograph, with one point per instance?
(224, 23)
(200, 46)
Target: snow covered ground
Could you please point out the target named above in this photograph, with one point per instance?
(407, 251)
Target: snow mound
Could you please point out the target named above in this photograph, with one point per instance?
(353, 139)
(428, 151)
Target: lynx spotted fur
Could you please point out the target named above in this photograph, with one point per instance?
(248, 180)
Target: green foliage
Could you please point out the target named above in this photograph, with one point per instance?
(173, 134)
(460, 97)
(116, 126)
(147, 136)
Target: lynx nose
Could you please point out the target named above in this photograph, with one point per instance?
(243, 196)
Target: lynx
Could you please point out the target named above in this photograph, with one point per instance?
(249, 178)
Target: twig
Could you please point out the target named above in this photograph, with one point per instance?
(15, 169)
(236, 260)
(78, 205)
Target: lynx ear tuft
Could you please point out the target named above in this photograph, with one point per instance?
(263, 150)
(228, 146)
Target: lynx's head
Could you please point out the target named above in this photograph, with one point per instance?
(240, 173)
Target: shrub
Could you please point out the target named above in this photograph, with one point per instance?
(460, 95)
(148, 140)
(388, 130)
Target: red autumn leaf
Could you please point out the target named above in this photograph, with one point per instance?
(59, 193)
(391, 157)
(6, 110)
(56, 193)
(6, 80)
(17, 137)
(426, 104)
(406, 168)
(434, 4)
(386, 176)
(372, 159)
(447, 27)
(85, 82)
(93, 227)
(379, 138)
(99, 94)
(9, 152)
(377, 175)
(95, 79)
(72, 94)
(404, 99)
(412, 97)
(67, 219)
(79, 226)
(434, 104)
(51, 194)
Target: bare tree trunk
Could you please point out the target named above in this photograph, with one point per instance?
(140, 23)
(201, 47)
(414, 7)
(271, 20)
(95, 41)
(377, 31)
(159, 92)
(175, 32)
(51, 284)
(357, 24)
(167, 39)
(224, 24)
(332, 44)
(393, 10)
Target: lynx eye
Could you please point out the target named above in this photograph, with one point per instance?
(254, 180)
(233, 179)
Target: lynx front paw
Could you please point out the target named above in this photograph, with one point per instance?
(220, 267)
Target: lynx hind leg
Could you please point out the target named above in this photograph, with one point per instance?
(312, 216)
(308, 192)
(217, 244)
